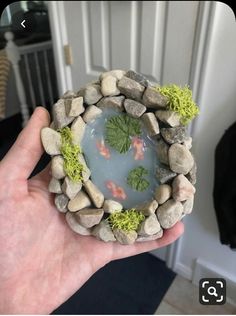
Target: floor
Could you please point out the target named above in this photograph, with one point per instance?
(182, 298)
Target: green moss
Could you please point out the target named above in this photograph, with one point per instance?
(73, 168)
(180, 101)
(126, 220)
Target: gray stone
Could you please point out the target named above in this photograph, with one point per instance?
(52, 125)
(169, 117)
(80, 201)
(75, 226)
(153, 99)
(147, 208)
(71, 188)
(103, 232)
(77, 129)
(54, 186)
(182, 189)
(111, 206)
(109, 86)
(130, 88)
(150, 226)
(86, 172)
(91, 93)
(51, 141)
(134, 108)
(163, 193)
(117, 73)
(162, 152)
(137, 77)
(69, 95)
(169, 213)
(115, 103)
(74, 107)
(59, 114)
(192, 175)
(91, 113)
(57, 168)
(150, 238)
(125, 238)
(188, 205)
(164, 174)
(180, 159)
(151, 124)
(94, 193)
(188, 142)
(61, 202)
(89, 217)
(174, 134)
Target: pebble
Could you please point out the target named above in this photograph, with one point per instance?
(71, 188)
(169, 213)
(115, 103)
(174, 134)
(150, 238)
(74, 107)
(117, 73)
(86, 171)
(91, 113)
(77, 129)
(169, 117)
(182, 189)
(111, 206)
(54, 186)
(51, 141)
(188, 142)
(94, 193)
(130, 88)
(69, 94)
(59, 114)
(57, 168)
(151, 124)
(125, 238)
(153, 99)
(61, 202)
(164, 174)
(180, 159)
(188, 205)
(162, 152)
(91, 93)
(89, 217)
(192, 175)
(134, 108)
(80, 201)
(137, 77)
(52, 125)
(163, 193)
(147, 208)
(75, 226)
(103, 232)
(109, 86)
(150, 226)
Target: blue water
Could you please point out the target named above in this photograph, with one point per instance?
(118, 166)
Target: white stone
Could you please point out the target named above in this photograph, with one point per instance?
(169, 117)
(61, 202)
(75, 226)
(54, 186)
(188, 142)
(109, 86)
(125, 238)
(77, 130)
(103, 232)
(150, 226)
(163, 193)
(188, 205)
(59, 114)
(118, 74)
(71, 188)
(151, 124)
(89, 217)
(182, 188)
(86, 172)
(111, 206)
(169, 213)
(180, 159)
(147, 208)
(51, 141)
(80, 201)
(91, 113)
(74, 107)
(57, 168)
(150, 238)
(94, 193)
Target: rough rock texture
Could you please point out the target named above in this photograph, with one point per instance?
(169, 117)
(137, 77)
(162, 152)
(174, 134)
(131, 88)
(57, 169)
(71, 188)
(74, 107)
(117, 73)
(149, 226)
(91, 113)
(164, 174)
(163, 193)
(169, 213)
(59, 114)
(180, 159)
(51, 141)
(188, 205)
(61, 202)
(75, 226)
(109, 86)
(80, 201)
(94, 193)
(153, 99)
(91, 93)
(134, 108)
(147, 208)
(188, 142)
(69, 95)
(88, 217)
(192, 175)
(125, 238)
(103, 232)
(182, 189)
(150, 238)
(115, 103)
(77, 130)
(151, 124)
(54, 186)
(86, 171)
(111, 206)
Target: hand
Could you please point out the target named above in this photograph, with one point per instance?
(43, 262)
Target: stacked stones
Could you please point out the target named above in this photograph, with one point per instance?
(83, 203)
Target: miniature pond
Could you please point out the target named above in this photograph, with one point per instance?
(110, 168)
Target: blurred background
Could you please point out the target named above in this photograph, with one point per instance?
(64, 44)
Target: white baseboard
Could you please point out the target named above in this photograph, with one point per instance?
(183, 270)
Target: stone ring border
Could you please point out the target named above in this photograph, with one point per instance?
(83, 203)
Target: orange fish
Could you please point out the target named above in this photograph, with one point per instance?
(103, 150)
(116, 191)
(138, 145)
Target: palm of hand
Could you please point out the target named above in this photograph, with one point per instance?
(42, 261)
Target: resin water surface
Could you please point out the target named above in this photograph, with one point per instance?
(109, 168)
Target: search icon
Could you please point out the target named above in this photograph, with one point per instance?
(212, 291)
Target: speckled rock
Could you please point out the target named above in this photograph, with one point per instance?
(149, 226)
(153, 99)
(147, 208)
(80, 201)
(111, 206)
(94, 193)
(77, 129)
(134, 108)
(125, 238)
(180, 159)
(151, 124)
(74, 107)
(163, 193)
(75, 226)
(88, 217)
(169, 213)
(182, 189)
(192, 175)
(162, 152)
(109, 86)
(71, 188)
(137, 77)
(115, 103)
(57, 169)
(169, 117)
(61, 202)
(164, 174)
(91, 113)
(51, 141)
(117, 73)
(54, 186)
(59, 114)
(188, 142)
(103, 232)
(91, 93)
(174, 134)
(130, 88)
(86, 171)
(69, 94)
(188, 205)
(150, 238)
